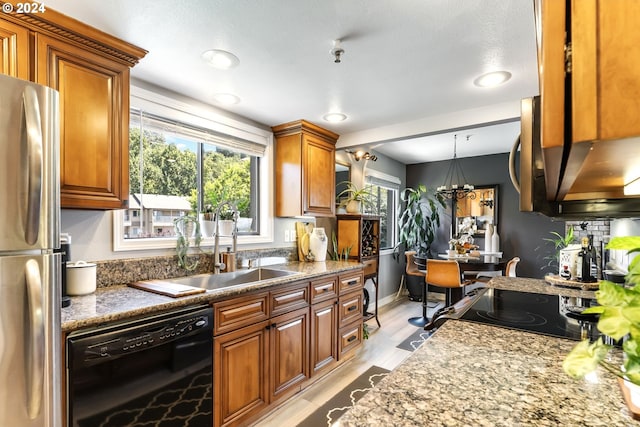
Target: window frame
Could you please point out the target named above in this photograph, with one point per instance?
(202, 115)
(392, 183)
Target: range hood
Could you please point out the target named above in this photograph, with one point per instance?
(574, 182)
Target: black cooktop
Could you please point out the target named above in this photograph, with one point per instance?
(543, 314)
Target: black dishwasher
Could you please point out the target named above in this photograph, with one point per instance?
(156, 371)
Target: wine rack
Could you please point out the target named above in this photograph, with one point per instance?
(360, 235)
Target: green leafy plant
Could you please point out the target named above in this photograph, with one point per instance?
(351, 192)
(619, 310)
(183, 226)
(419, 221)
(559, 242)
(337, 255)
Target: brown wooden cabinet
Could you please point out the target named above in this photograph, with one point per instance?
(361, 233)
(261, 356)
(324, 325)
(14, 50)
(305, 170)
(90, 69)
(590, 95)
(270, 345)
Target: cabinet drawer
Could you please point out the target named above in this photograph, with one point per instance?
(350, 308)
(349, 282)
(370, 267)
(289, 298)
(350, 338)
(324, 289)
(238, 312)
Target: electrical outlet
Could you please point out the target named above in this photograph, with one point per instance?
(287, 236)
(294, 237)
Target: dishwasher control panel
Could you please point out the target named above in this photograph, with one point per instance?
(113, 341)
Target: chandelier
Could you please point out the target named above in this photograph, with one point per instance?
(455, 183)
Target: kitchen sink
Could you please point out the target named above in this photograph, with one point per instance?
(240, 277)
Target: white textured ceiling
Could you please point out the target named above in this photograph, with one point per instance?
(407, 69)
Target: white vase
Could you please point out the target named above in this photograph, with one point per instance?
(225, 227)
(495, 241)
(488, 236)
(318, 244)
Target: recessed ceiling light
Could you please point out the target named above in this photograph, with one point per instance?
(334, 117)
(220, 59)
(492, 79)
(226, 98)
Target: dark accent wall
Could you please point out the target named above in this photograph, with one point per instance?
(521, 233)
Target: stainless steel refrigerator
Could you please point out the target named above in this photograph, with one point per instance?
(30, 394)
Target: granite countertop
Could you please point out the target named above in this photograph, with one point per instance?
(537, 286)
(470, 374)
(115, 303)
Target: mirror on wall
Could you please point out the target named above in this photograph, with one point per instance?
(343, 173)
(480, 208)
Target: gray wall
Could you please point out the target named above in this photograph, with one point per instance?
(521, 233)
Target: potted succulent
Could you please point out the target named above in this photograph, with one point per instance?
(226, 218)
(207, 220)
(619, 317)
(352, 197)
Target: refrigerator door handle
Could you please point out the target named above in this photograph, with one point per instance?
(34, 159)
(35, 341)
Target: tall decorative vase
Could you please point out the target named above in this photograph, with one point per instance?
(318, 244)
(488, 237)
(495, 240)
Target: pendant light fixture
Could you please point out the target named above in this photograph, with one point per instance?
(455, 183)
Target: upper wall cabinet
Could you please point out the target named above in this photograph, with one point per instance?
(90, 69)
(305, 170)
(589, 58)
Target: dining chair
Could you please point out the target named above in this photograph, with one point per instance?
(509, 271)
(445, 274)
(413, 270)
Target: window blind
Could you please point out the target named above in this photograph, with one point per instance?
(207, 136)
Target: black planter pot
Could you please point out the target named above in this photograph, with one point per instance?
(416, 283)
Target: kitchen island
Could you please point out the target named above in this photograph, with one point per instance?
(470, 374)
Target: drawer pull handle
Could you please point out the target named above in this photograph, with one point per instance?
(352, 282)
(325, 290)
(353, 307)
(352, 338)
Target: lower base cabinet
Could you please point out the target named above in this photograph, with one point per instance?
(240, 374)
(259, 362)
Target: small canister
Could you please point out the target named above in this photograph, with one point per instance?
(229, 260)
(81, 278)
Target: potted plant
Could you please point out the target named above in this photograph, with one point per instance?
(207, 220)
(417, 227)
(226, 217)
(619, 311)
(419, 221)
(352, 197)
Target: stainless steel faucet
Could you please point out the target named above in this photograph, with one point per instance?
(217, 262)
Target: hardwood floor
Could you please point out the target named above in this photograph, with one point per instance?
(380, 350)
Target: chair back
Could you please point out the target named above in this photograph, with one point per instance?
(412, 268)
(510, 269)
(444, 273)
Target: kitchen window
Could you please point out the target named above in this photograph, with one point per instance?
(384, 203)
(180, 162)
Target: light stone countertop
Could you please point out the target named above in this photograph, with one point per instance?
(113, 303)
(469, 374)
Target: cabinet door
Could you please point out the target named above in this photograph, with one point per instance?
(14, 50)
(605, 63)
(240, 374)
(94, 127)
(324, 338)
(319, 177)
(289, 352)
